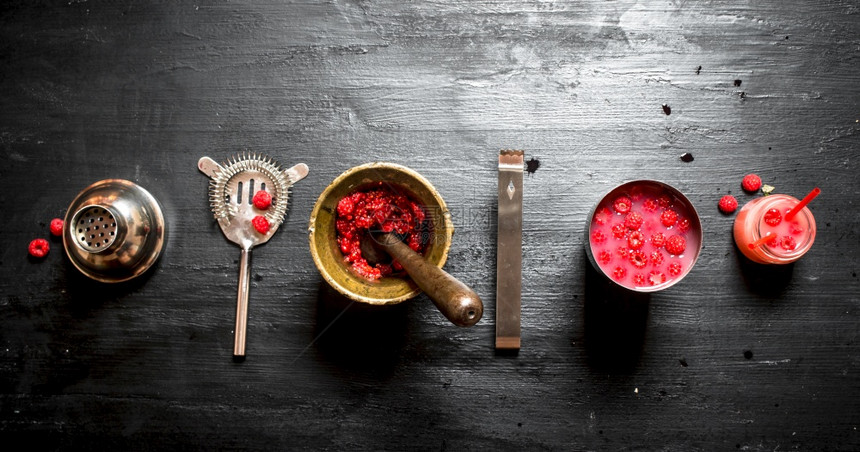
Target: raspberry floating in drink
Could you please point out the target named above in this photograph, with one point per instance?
(650, 236)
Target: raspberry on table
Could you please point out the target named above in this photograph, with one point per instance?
(57, 227)
(751, 183)
(676, 245)
(773, 217)
(622, 204)
(262, 200)
(668, 218)
(633, 220)
(728, 204)
(261, 224)
(39, 248)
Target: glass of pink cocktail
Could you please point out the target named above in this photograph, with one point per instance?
(644, 235)
(766, 233)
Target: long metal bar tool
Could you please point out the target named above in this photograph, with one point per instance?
(509, 271)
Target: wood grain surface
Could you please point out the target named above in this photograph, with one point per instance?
(736, 356)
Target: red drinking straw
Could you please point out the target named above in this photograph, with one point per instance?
(815, 191)
(761, 241)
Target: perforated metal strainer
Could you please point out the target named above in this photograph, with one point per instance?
(231, 190)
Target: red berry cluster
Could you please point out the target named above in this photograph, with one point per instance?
(39, 248)
(639, 238)
(383, 209)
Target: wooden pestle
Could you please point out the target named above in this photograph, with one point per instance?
(460, 304)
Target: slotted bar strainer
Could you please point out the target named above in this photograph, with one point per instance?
(232, 187)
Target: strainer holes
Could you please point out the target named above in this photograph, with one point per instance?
(101, 234)
(106, 240)
(113, 225)
(239, 194)
(112, 233)
(251, 191)
(96, 227)
(101, 219)
(80, 230)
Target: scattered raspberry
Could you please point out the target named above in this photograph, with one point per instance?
(650, 205)
(636, 240)
(605, 257)
(656, 277)
(603, 216)
(773, 217)
(676, 245)
(633, 220)
(619, 272)
(675, 268)
(664, 201)
(751, 183)
(263, 200)
(39, 248)
(598, 237)
(638, 259)
(622, 204)
(668, 218)
(261, 224)
(656, 258)
(623, 252)
(57, 227)
(619, 231)
(795, 228)
(728, 204)
(658, 240)
(683, 225)
(788, 243)
(639, 279)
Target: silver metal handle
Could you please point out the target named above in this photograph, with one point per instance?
(242, 303)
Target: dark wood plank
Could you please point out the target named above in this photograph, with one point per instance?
(734, 357)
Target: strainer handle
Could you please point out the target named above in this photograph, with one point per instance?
(242, 304)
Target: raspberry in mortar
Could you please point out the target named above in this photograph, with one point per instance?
(751, 183)
(261, 224)
(39, 248)
(262, 200)
(56, 227)
(380, 208)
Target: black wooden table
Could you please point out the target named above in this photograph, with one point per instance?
(736, 356)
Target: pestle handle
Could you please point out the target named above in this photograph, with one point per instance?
(460, 304)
